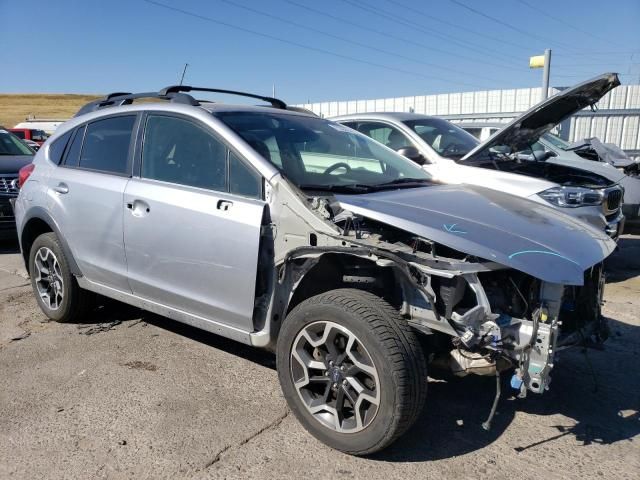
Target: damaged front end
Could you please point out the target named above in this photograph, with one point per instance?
(487, 298)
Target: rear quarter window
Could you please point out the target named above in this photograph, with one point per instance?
(73, 152)
(56, 150)
(106, 145)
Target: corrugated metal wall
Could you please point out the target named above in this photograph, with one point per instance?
(611, 123)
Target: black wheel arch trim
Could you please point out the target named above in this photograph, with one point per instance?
(40, 213)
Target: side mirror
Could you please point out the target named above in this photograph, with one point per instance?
(412, 153)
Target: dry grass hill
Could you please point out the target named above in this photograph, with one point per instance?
(15, 108)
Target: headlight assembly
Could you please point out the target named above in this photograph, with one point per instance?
(572, 196)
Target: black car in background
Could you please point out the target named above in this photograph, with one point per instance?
(14, 155)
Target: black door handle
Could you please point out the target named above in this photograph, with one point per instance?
(224, 205)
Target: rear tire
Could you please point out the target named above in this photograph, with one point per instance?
(352, 370)
(56, 289)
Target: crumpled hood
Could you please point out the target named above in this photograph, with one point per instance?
(608, 152)
(528, 127)
(509, 230)
(13, 163)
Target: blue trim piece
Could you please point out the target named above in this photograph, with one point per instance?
(544, 252)
(452, 228)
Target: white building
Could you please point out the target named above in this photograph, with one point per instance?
(616, 120)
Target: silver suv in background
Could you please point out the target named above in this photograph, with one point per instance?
(286, 231)
(454, 156)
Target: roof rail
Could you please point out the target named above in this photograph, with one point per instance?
(123, 98)
(275, 102)
(173, 93)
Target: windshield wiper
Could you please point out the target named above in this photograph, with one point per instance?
(347, 188)
(403, 182)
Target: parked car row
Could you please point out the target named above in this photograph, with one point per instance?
(513, 159)
(356, 265)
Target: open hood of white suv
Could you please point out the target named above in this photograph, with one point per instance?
(528, 127)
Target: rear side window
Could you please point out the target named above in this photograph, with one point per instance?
(106, 145)
(19, 134)
(73, 152)
(56, 150)
(179, 151)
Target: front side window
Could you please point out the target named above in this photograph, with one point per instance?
(447, 139)
(385, 134)
(106, 145)
(179, 151)
(242, 179)
(314, 153)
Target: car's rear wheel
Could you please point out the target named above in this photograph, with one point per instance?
(352, 370)
(56, 289)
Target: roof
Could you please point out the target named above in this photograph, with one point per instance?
(213, 107)
(476, 123)
(390, 116)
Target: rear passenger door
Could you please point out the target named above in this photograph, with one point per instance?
(86, 192)
(193, 213)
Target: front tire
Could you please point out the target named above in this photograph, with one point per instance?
(57, 292)
(352, 370)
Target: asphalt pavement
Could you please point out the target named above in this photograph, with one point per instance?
(128, 394)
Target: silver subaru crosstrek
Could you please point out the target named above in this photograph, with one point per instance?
(286, 231)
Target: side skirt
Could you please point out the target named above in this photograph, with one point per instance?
(165, 311)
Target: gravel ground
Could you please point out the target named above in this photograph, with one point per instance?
(132, 395)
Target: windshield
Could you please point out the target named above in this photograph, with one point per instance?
(555, 141)
(12, 145)
(447, 139)
(315, 153)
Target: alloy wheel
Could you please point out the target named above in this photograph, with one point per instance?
(48, 278)
(335, 377)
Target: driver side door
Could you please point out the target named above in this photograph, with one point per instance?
(192, 220)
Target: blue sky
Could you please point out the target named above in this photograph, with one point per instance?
(313, 50)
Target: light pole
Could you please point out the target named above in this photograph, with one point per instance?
(543, 61)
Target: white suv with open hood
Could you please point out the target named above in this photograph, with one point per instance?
(454, 156)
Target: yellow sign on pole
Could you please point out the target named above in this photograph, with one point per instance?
(536, 62)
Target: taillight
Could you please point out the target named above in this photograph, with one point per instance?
(24, 173)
